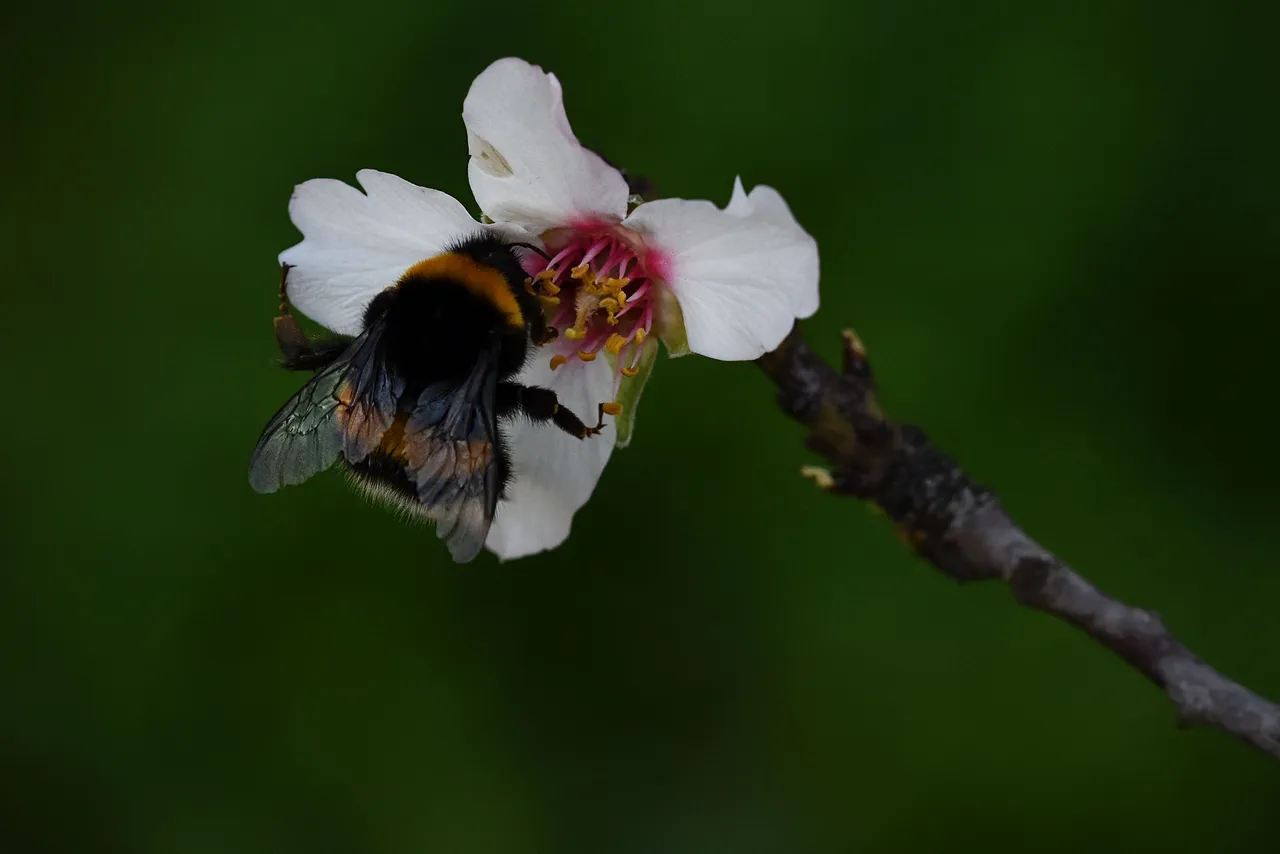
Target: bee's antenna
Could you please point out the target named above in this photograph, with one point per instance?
(544, 255)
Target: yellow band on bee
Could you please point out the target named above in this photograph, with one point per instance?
(482, 280)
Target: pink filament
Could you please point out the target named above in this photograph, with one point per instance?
(608, 257)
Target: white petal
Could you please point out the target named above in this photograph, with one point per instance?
(767, 204)
(562, 118)
(555, 473)
(741, 275)
(357, 244)
(738, 204)
(526, 165)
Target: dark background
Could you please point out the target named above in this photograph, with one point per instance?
(1055, 227)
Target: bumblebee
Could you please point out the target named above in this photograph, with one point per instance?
(412, 406)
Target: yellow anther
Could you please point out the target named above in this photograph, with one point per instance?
(557, 361)
(616, 285)
(614, 409)
(549, 301)
(575, 334)
(610, 305)
(615, 344)
(586, 357)
(640, 333)
(546, 281)
(629, 372)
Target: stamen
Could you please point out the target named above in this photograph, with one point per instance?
(587, 356)
(610, 305)
(633, 297)
(557, 361)
(584, 274)
(646, 321)
(595, 250)
(615, 344)
(617, 298)
(560, 256)
(621, 259)
(547, 282)
(614, 409)
(637, 351)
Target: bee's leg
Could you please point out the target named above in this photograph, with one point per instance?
(541, 405)
(541, 332)
(299, 352)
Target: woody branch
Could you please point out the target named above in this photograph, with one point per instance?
(959, 526)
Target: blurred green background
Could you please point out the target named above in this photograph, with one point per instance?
(1055, 226)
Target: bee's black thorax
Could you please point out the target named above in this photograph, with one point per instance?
(436, 329)
(439, 321)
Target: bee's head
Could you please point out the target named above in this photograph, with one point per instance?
(492, 249)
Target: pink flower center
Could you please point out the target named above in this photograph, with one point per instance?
(599, 291)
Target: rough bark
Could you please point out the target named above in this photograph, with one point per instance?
(959, 526)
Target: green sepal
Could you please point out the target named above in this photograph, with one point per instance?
(630, 389)
(669, 324)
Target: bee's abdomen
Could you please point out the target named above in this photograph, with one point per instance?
(384, 479)
(387, 473)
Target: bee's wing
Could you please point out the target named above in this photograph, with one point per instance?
(303, 438)
(342, 411)
(451, 443)
(370, 394)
